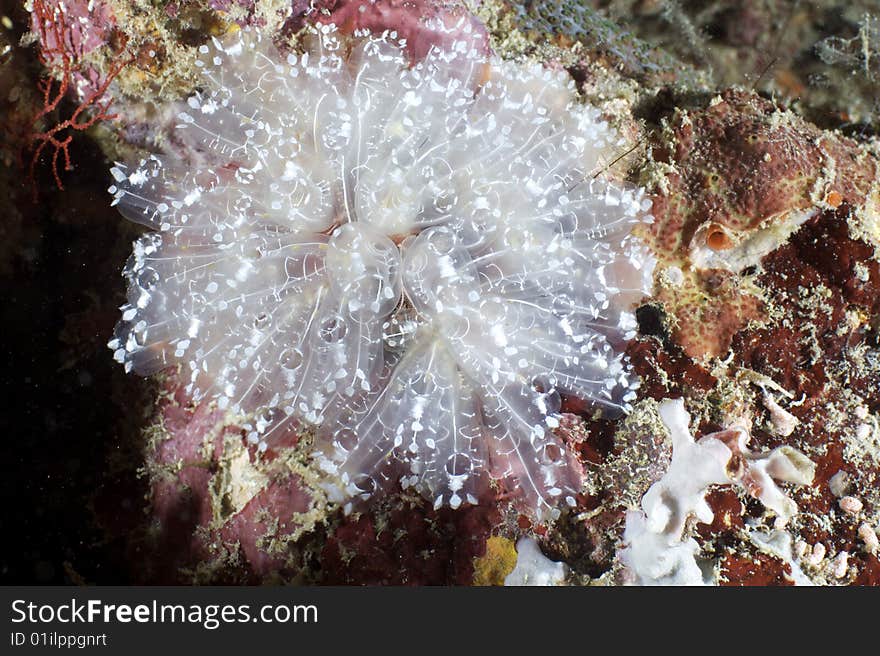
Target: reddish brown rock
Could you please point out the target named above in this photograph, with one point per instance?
(408, 543)
(738, 170)
(756, 569)
(728, 513)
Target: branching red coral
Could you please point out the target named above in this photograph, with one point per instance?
(62, 47)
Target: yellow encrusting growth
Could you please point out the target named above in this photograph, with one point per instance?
(499, 560)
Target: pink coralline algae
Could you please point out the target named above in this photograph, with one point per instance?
(75, 27)
(421, 24)
(211, 505)
(414, 262)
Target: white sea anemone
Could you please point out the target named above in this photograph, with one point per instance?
(417, 259)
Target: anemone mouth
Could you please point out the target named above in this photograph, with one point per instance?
(429, 243)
